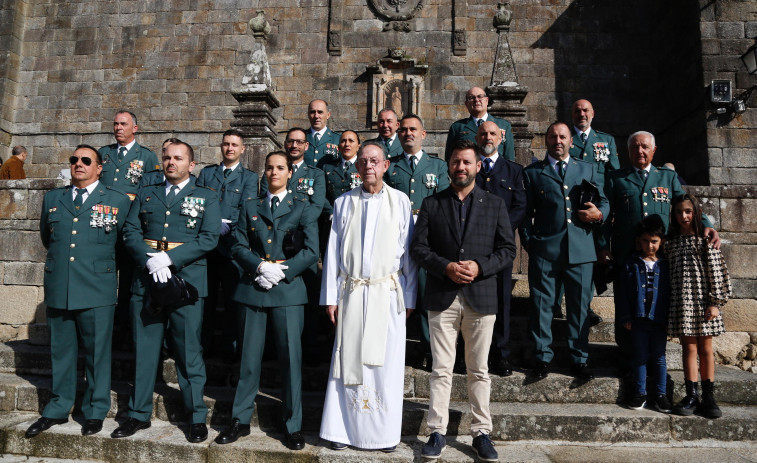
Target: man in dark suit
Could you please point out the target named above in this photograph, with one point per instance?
(558, 236)
(169, 230)
(80, 226)
(388, 123)
(505, 179)
(463, 239)
(322, 142)
(234, 185)
(476, 102)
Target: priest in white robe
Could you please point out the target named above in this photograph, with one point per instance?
(368, 276)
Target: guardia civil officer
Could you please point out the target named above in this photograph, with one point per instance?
(234, 185)
(170, 229)
(322, 141)
(476, 102)
(271, 288)
(341, 173)
(387, 124)
(418, 174)
(80, 226)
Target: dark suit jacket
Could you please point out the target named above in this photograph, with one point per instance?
(506, 181)
(488, 239)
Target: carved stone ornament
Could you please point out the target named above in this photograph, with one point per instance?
(396, 10)
(397, 84)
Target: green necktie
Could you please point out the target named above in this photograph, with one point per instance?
(316, 138)
(561, 169)
(274, 204)
(226, 173)
(121, 153)
(583, 137)
(173, 192)
(79, 200)
(412, 163)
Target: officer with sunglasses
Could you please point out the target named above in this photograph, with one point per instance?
(80, 226)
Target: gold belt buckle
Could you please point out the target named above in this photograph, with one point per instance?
(161, 245)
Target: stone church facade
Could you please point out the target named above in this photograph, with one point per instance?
(193, 68)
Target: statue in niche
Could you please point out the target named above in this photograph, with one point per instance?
(393, 97)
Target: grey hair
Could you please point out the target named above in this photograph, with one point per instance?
(636, 134)
(378, 145)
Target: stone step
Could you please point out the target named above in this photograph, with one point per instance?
(542, 419)
(647, 438)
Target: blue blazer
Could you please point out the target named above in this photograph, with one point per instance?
(632, 287)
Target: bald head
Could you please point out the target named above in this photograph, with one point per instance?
(476, 102)
(489, 137)
(582, 113)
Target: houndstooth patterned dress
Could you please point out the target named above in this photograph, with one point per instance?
(698, 279)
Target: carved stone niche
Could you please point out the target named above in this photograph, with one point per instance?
(397, 84)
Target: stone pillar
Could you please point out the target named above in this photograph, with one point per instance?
(505, 92)
(256, 97)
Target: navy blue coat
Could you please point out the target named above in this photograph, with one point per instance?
(632, 287)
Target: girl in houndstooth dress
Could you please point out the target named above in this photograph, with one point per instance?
(700, 286)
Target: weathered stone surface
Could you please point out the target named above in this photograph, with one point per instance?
(740, 315)
(728, 346)
(18, 304)
(24, 273)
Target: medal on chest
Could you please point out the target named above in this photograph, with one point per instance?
(136, 169)
(660, 194)
(193, 207)
(332, 150)
(355, 180)
(431, 181)
(102, 216)
(305, 185)
(601, 152)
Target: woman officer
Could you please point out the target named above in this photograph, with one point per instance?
(271, 287)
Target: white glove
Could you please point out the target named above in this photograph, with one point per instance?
(225, 227)
(263, 283)
(271, 271)
(157, 261)
(162, 275)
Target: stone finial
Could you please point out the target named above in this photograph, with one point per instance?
(503, 16)
(259, 26)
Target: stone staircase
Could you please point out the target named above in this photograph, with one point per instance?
(555, 419)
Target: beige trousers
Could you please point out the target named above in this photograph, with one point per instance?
(477, 333)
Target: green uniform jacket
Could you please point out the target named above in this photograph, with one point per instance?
(631, 201)
(152, 217)
(466, 129)
(116, 174)
(308, 182)
(80, 270)
(599, 150)
(430, 177)
(234, 190)
(338, 181)
(395, 148)
(552, 229)
(259, 236)
(327, 147)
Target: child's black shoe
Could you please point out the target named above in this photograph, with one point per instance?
(662, 404)
(637, 402)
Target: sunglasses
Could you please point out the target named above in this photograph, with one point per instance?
(86, 161)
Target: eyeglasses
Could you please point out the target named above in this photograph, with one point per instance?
(369, 162)
(476, 97)
(86, 161)
(291, 141)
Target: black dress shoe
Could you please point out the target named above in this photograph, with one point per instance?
(233, 432)
(198, 432)
(593, 318)
(43, 424)
(540, 371)
(129, 428)
(91, 427)
(338, 446)
(581, 371)
(295, 441)
(502, 367)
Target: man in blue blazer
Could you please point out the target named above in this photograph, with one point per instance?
(505, 179)
(558, 234)
(234, 185)
(476, 102)
(463, 239)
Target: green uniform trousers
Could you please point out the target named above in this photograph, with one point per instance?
(95, 328)
(288, 323)
(184, 329)
(545, 278)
